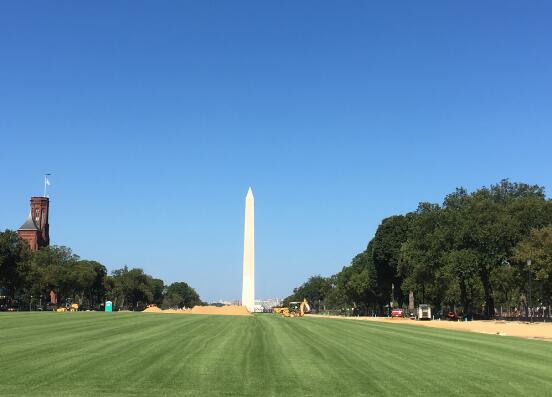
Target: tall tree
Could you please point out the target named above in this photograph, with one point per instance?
(180, 295)
(315, 290)
(464, 253)
(14, 262)
(385, 250)
(421, 255)
(538, 248)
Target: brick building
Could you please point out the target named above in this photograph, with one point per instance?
(36, 230)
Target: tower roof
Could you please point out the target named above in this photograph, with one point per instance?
(29, 224)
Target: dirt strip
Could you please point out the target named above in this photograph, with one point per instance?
(229, 310)
(518, 329)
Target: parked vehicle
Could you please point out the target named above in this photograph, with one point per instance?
(397, 312)
(424, 312)
(452, 316)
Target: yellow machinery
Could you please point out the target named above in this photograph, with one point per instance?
(280, 310)
(295, 309)
(73, 308)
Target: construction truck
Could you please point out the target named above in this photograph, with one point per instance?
(294, 309)
(424, 312)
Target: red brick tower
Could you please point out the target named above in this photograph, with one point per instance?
(36, 230)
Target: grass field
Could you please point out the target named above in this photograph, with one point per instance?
(74, 354)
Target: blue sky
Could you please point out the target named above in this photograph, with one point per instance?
(154, 118)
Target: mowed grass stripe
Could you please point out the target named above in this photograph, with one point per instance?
(74, 354)
(433, 351)
(378, 365)
(320, 361)
(486, 363)
(104, 357)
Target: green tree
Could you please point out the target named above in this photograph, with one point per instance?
(463, 269)
(385, 251)
(464, 253)
(133, 289)
(52, 270)
(14, 262)
(315, 290)
(420, 258)
(357, 283)
(538, 248)
(157, 287)
(126, 287)
(180, 295)
(498, 218)
(86, 282)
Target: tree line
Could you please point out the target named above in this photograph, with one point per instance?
(483, 253)
(28, 280)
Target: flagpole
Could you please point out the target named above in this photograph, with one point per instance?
(46, 183)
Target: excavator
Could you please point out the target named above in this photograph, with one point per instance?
(294, 309)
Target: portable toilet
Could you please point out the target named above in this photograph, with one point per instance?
(108, 306)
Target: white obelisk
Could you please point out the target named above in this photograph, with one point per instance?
(248, 289)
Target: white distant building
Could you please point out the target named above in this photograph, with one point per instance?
(225, 303)
(266, 305)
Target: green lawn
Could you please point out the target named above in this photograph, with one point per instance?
(73, 354)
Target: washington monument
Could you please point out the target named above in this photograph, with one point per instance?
(248, 288)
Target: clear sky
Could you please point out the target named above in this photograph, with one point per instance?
(155, 117)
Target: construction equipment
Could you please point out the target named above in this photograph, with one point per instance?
(68, 308)
(279, 310)
(294, 309)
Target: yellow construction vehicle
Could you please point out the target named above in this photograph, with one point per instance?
(279, 310)
(68, 308)
(294, 309)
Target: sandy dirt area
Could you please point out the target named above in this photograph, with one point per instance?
(503, 328)
(229, 310)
